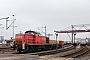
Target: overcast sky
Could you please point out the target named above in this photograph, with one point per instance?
(55, 14)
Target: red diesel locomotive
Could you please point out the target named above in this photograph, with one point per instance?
(33, 41)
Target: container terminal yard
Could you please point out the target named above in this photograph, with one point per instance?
(33, 46)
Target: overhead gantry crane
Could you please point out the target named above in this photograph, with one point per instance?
(73, 30)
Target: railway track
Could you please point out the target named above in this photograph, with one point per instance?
(63, 52)
(68, 52)
(5, 49)
(50, 52)
(76, 53)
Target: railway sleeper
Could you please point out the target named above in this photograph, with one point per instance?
(70, 53)
(80, 54)
(54, 52)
